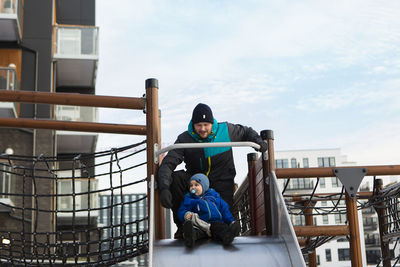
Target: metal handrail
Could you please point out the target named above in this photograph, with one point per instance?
(151, 222)
(158, 152)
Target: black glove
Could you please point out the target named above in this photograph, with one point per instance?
(263, 147)
(166, 198)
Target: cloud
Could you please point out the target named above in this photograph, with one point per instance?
(276, 62)
(374, 144)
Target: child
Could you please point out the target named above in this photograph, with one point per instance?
(205, 213)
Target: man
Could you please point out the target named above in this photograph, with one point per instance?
(216, 162)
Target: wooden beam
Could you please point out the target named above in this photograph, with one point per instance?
(73, 126)
(323, 196)
(328, 171)
(328, 230)
(73, 99)
(354, 228)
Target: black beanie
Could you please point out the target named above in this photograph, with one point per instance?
(202, 113)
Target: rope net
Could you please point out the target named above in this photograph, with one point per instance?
(51, 214)
(386, 203)
(309, 197)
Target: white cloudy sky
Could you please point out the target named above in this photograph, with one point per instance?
(320, 74)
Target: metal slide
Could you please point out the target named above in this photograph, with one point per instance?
(244, 251)
(280, 249)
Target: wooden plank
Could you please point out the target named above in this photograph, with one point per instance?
(73, 126)
(87, 100)
(328, 172)
(328, 230)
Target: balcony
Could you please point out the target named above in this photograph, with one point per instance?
(6, 187)
(10, 20)
(369, 210)
(76, 56)
(372, 242)
(8, 81)
(76, 142)
(370, 226)
(65, 204)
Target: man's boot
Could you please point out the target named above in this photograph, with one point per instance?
(179, 232)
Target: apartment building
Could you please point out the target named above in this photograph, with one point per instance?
(131, 210)
(48, 46)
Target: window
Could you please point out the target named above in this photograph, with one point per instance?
(299, 220)
(324, 203)
(282, 163)
(326, 162)
(5, 181)
(69, 41)
(336, 182)
(373, 256)
(293, 163)
(370, 223)
(82, 200)
(344, 254)
(322, 182)
(301, 183)
(68, 248)
(340, 218)
(308, 184)
(305, 163)
(325, 219)
(328, 255)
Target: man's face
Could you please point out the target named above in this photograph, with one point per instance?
(203, 129)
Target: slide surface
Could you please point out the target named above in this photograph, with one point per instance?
(245, 251)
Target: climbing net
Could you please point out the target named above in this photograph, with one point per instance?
(322, 205)
(386, 203)
(81, 209)
(303, 198)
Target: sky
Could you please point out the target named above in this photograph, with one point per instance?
(320, 74)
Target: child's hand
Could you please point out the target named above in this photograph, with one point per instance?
(188, 216)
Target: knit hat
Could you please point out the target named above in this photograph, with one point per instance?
(201, 179)
(202, 113)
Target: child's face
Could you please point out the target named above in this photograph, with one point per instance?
(196, 186)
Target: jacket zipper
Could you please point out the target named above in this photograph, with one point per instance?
(220, 215)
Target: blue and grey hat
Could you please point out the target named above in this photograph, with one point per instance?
(201, 179)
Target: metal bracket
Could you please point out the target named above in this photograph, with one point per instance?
(156, 154)
(351, 178)
(264, 155)
(145, 104)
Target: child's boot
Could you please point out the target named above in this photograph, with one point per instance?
(235, 228)
(221, 232)
(189, 234)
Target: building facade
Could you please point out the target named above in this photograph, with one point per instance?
(128, 210)
(48, 46)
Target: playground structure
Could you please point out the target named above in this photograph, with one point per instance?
(258, 203)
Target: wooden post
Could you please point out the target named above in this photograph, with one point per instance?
(381, 211)
(268, 163)
(154, 137)
(251, 161)
(312, 257)
(355, 245)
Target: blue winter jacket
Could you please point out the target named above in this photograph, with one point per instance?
(210, 207)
